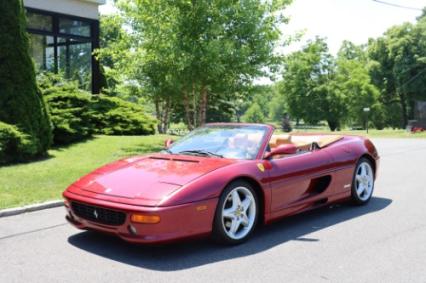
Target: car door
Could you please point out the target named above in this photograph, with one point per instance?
(344, 163)
(292, 180)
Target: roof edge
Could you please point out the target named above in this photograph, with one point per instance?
(99, 2)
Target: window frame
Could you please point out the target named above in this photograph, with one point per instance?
(56, 34)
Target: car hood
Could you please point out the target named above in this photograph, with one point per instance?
(146, 180)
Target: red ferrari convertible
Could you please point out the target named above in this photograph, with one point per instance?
(222, 180)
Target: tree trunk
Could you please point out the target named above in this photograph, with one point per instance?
(162, 110)
(412, 108)
(202, 112)
(194, 107)
(403, 102)
(166, 112)
(187, 111)
(333, 125)
(158, 115)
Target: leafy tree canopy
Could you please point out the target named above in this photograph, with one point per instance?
(189, 54)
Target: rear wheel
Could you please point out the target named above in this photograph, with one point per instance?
(236, 213)
(363, 182)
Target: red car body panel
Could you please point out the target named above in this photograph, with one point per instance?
(184, 190)
(148, 179)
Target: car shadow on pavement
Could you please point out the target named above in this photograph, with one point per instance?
(189, 254)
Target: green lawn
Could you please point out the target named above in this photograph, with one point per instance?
(44, 180)
(373, 133)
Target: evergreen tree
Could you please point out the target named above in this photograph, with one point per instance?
(21, 103)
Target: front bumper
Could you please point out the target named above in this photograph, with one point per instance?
(176, 222)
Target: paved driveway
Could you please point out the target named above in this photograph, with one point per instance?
(384, 241)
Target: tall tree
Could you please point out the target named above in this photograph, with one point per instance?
(114, 42)
(350, 51)
(195, 53)
(21, 103)
(309, 87)
(353, 79)
(399, 69)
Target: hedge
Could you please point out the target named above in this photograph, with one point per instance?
(69, 112)
(14, 145)
(77, 114)
(114, 116)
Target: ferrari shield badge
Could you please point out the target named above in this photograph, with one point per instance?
(261, 167)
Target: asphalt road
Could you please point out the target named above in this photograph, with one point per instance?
(384, 241)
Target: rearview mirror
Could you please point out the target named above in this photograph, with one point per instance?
(282, 149)
(168, 143)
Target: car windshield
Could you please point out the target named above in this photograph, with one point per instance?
(228, 141)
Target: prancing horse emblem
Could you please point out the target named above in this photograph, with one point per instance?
(95, 213)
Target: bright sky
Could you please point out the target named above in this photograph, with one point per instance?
(354, 20)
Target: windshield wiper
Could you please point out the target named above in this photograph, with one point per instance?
(200, 152)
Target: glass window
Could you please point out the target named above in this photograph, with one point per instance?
(75, 61)
(74, 27)
(62, 44)
(43, 52)
(229, 141)
(39, 21)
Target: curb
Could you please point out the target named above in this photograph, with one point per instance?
(30, 208)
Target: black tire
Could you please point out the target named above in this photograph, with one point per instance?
(219, 234)
(355, 197)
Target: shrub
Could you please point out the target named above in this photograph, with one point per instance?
(254, 114)
(114, 116)
(14, 145)
(77, 114)
(21, 103)
(69, 111)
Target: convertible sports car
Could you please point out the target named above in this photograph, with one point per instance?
(222, 180)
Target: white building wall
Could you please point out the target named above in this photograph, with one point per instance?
(81, 8)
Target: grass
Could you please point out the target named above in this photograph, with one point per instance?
(373, 133)
(45, 180)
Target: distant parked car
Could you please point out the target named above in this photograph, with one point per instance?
(415, 126)
(222, 180)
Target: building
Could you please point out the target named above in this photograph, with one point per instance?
(63, 35)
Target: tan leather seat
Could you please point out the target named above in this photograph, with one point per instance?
(303, 142)
(277, 140)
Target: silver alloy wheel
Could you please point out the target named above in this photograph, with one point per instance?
(364, 181)
(238, 213)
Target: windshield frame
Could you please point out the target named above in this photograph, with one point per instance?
(267, 133)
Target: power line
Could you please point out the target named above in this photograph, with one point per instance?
(412, 78)
(397, 5)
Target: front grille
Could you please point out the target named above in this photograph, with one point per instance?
(98, 214)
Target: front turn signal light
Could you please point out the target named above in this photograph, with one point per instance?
(142, 218)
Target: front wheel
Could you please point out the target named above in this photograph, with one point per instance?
(236, 213)
(363, 182)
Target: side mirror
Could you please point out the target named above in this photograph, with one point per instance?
(282, 149)
(168, 143)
